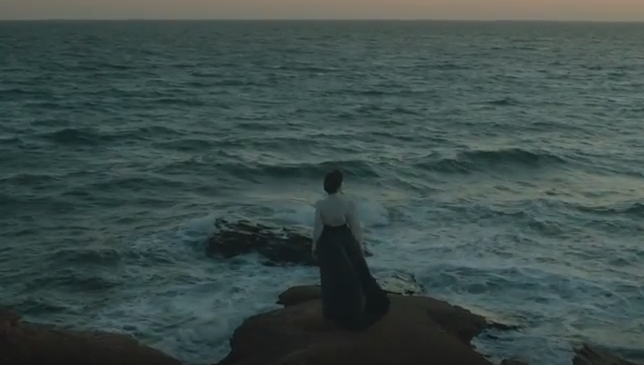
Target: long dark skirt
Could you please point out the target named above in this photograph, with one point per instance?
(351, 296)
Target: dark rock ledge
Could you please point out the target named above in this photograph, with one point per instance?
(25, 343)
(417, 331)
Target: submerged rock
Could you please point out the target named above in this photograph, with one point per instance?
(279, 245)
(417, 330)
(25, 343)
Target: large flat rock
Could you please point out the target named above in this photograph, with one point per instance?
(417, 330)
(23, 343)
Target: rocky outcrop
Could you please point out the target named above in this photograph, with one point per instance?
(23, 343)
(586, 355)
(278, 245)
(417, 330)
(8, 322)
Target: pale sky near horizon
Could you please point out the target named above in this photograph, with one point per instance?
(595, 10)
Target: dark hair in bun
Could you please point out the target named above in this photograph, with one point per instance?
(333, 181)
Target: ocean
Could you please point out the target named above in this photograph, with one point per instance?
(500, 163)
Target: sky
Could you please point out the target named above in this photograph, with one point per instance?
(594, 10)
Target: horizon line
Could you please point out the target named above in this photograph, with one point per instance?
(444, 20)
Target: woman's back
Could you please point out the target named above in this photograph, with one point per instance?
(336, 210)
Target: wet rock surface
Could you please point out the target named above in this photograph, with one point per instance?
(24, 343)
(587, 355)
(417, 330)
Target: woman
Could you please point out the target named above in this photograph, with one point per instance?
(351, 296)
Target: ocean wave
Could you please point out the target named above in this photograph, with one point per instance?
(357, 168)
(93, 136)
(633, 209)
(450, 66)
(551, 218)
(18, 94)
(185, 101)
(75, 279)
(159, 130)
(115, 191)
(503, 102)
(315, 69)
(8, 202)
(305, 67)
(383, 91)
(28, 179)
(10, 141)
(39, 305)
(86, 256)
(151, 133)
(102, 66)
(481, 160)
(188, 144)
(135, 182)
(74, 136)
(251, 169)
(541, 217)
(49, 122)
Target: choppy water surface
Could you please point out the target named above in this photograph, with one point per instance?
(501, 163)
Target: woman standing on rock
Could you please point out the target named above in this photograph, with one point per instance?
(351, 296)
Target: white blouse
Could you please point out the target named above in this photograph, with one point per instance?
(336, 210)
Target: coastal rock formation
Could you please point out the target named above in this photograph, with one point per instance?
(8, 322)
(586, 355)
(279, 245)
(23, 343)
(417, 330)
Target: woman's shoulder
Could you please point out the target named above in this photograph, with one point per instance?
(320, 203)
(334, 201)
(347, 201)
